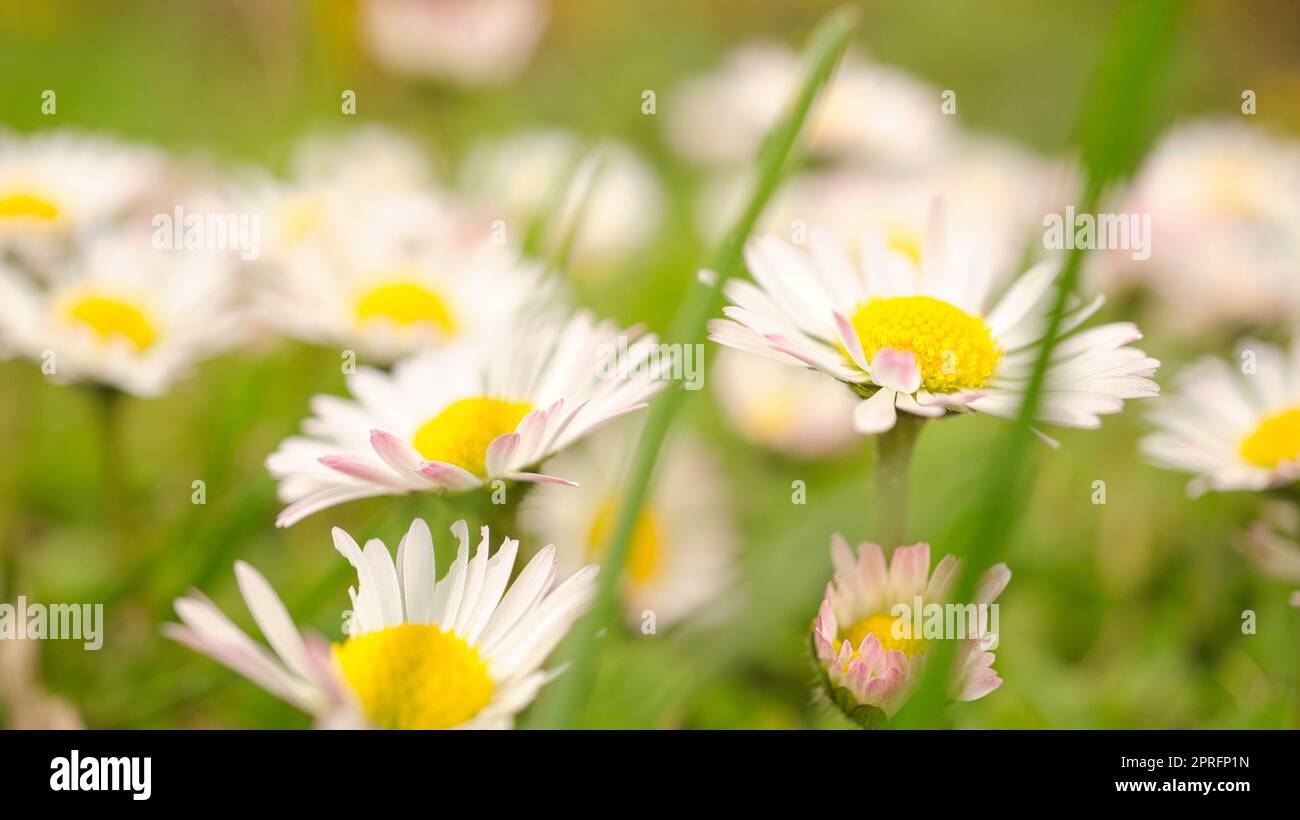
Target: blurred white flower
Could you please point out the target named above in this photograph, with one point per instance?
(463, 42)
(1271, 544)
(462, 652)
(870, 112)
(64, 186)
(794, 411)
(124, 313)
(362, 252)
(335, 181)
(994, 194)
(868, 658)
(607, 198)
(1234, 429)
(682, 549)
(923, 335)
(372, 158)
(459, 417)
(410, 273)
(1225, 225)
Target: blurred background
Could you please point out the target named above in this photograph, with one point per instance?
(1122, 615)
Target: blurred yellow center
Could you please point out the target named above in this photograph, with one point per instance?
(643, 552)
(1230, 181)
(22, 205)
(415, 676)
(1277, 439)
(299, 217)
(882, 626)
(405, 303)
(954, 350)
(461, 433)
(114, 319)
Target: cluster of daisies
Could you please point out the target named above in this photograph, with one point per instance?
(869, 297)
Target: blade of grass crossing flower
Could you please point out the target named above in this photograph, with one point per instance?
(1113, 133)
(562, 702)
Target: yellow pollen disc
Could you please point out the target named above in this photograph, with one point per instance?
(954, 350)
(113, 318)
(461, 433)
(415, 676)
(882, 626)
(405, 303)
(643, 552)
(1277, 439)
(26, 206)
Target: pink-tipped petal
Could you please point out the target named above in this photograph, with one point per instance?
(896, 369)
(449, 476)
(355, 467)
(876, 414)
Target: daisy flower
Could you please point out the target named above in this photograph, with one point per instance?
(680, 558)
(453, 419)
(124, 314)
(60, 185)
(409, 274)
(866, 644)
(1233, 429)
(924, 337)
(869, 112)
(335, 179)
(364, 254)
(465, 42)
(609, 198)
(793, 411)
(1225, 219)
(461, 652)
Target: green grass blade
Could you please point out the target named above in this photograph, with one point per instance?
(562, 702)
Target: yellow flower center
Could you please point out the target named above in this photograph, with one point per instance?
(461, 433)
(1231, 183)
(1277, 439)
(299, 217)
(405, 303)
(112, 318)
(21, 205)
(415, 676)
(882, 626)
(643, 552)
(954, 350)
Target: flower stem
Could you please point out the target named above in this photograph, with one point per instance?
(893, 459)
(113, 498)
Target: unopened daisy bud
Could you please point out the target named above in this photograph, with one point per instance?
(461, 652)
(878, 622)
